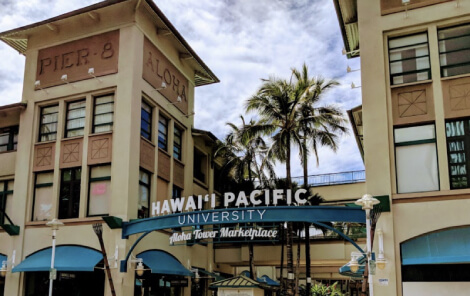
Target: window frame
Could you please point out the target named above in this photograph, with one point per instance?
(148, 186)
(41, 123)
(73, 199)
(67, 119)
(93, 180)
(439, 40)
(42, 185)
(177, 148)
(163, 144)
(146, 134)
(12, 132)
(111, 123)
(466, 142)
(416, 71)
(415, 143)
(4, 193)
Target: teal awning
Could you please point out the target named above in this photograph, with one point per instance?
(442, 247)
(2, 258)
(163, 263)
(67, 258)
(264, 279)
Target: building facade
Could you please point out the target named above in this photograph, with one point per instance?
(414, 126)
(104, 128)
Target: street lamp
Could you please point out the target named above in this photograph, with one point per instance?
(367, 203)
(54, 224)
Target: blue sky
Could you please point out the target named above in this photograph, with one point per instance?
(242, 41)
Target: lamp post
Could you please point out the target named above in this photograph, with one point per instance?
(54, 224)
(367, 202)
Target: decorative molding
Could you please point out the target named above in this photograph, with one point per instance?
(71, 153)
(412, 104)
(164, 165)
(178, 174)
(44, 155)
(147, 155)
(100, 149)
(456, 94)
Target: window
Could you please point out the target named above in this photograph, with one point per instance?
(454, 50)
(146, 121)
(75, 119)
(458, 153)
(177, 143)
(99, 195)
(416, 159)
(6, 193)
(69, 199)
(177, 192)
(163, 133)
(103, 113)
(409, 59)
(144, 195)
(8, 138)
(200, 165)
(48, 124)
(42, 205)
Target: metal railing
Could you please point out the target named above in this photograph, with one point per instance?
(333, 179)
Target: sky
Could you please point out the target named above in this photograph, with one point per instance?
(242, 42)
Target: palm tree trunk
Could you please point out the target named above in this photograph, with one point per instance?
(297, 267)
(305, 162)
(307, 256)
(281, 279)
(290, 261)
(252, 265)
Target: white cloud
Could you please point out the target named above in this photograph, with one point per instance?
(241, 41)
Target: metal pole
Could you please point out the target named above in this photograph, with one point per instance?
(51, 280)
(369, 252)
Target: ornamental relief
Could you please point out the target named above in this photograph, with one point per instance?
(44, 155)
(412, 104)
(456, 94)
(71, 153)
(147, 155)
(100, 149)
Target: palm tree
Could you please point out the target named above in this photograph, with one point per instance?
(278, 104)
(320, 126)
(245, 161)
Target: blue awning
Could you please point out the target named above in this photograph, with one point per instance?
(2, 258)
(67, 258)
(163, 263)
(442, 247)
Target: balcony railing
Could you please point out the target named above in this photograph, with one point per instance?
(333, 179)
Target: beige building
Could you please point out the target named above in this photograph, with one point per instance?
(414, 126)
(105, 127)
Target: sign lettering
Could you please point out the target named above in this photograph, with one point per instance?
(157, 69)
(75, 58)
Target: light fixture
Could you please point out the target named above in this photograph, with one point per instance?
(37, 84)
(197, 277)
(139, 270)
(367, 202)
(381, 261)
(354, 265)
(349, 70)
(91, 72)
(353, 86)
(65, 78)
(163, 86)
(190, 114)
(352, 52)
(405, 3)
(4, 269)
(178, 101)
